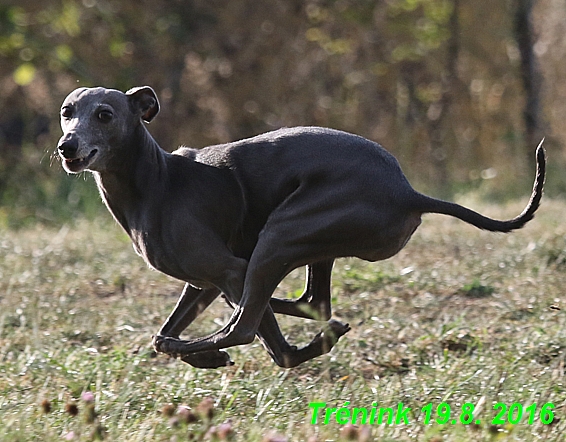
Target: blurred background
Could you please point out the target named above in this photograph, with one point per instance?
(460, 91)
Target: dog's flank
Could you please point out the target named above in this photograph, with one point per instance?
(236, 218)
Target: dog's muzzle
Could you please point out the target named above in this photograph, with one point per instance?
(68, 150)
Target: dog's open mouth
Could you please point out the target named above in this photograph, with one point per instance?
(79, 164)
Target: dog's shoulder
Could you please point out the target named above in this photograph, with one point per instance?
(186, 152)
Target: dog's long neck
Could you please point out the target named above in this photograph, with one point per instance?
(136, 181)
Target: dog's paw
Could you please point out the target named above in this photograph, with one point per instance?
(336, 328)
(169, 345)
(203, 359)
(208, 359)
(330, 334)
(162, 344)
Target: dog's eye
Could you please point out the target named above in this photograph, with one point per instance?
(67, 112)
(105, 116)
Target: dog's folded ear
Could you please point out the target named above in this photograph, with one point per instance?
(144, 101)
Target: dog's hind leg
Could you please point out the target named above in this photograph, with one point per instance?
(288, 356)
(314, 303)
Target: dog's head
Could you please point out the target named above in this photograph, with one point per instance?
(97, 122)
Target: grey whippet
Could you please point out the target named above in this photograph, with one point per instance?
(236, 218)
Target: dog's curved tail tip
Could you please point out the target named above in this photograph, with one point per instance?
(539, 180)
(541, 154)
(432, 205)
(534, 201)
(536, 195)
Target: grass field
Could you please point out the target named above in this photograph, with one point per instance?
(458, 317)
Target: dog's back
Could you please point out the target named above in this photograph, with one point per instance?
(269, 167)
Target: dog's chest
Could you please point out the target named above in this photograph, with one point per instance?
(142, 246)
(153, 252)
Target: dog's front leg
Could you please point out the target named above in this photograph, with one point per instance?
(248, 312)
(192, 302)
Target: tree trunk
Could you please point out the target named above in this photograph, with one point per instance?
(532, 79)
(441, 135)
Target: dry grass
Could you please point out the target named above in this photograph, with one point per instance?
(457, 316)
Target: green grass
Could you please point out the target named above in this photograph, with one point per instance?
(459, 316)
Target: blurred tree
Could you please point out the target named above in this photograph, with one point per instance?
(530, 74)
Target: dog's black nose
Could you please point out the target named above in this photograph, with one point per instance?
(68, 148)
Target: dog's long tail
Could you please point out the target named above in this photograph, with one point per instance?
(432, 205)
